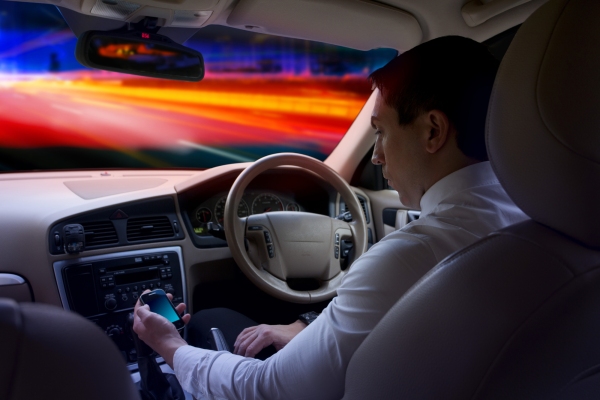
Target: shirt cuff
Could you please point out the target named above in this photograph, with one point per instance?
(184, 361)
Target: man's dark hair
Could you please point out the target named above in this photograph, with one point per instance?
(451, 74)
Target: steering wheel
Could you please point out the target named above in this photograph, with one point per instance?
(272, 248)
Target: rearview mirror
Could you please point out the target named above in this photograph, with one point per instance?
(139, 53)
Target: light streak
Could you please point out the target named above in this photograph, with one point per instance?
(218, 152)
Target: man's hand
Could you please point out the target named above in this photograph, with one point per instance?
(254, 339)
(157, 332)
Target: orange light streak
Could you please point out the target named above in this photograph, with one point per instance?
(304, 105)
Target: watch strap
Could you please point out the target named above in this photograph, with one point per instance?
(309, 317)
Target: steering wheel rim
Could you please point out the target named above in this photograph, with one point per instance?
(310, 257)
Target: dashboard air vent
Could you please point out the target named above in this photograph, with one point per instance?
(99, 233)
(363, 205)
(149, 228)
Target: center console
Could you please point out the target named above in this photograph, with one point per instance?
(105, 288)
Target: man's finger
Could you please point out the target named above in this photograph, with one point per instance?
(258, 344)
(245, 344)
(138, 303)
(143, 312)
(240, 346)
(245, 333)
(180, 308)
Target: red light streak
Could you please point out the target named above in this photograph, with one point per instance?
(116, 115)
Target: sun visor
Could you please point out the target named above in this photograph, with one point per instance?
(357, 24)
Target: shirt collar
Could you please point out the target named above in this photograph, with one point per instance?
(465, 178)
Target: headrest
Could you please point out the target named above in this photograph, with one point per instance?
(543, 126)
(50, 353)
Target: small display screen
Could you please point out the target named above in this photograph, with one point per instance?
(134, 277)
(160, 304)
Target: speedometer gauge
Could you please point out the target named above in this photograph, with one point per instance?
(292, 207)
(266, 203)
(243, 210)
(203, 215)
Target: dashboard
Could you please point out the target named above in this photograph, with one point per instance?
(142, 230)
(275, 190)
(253, 202)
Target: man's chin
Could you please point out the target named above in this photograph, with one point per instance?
(405, 201)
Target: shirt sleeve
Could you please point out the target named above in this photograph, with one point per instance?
(313, 364)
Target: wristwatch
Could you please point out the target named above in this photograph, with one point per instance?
(308, 317)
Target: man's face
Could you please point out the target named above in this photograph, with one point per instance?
(400, 151)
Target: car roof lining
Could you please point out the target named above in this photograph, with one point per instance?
(357, 23)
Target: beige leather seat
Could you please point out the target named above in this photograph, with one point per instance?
(49, 353)
(516, 315)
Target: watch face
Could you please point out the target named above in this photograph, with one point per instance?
(308, 317)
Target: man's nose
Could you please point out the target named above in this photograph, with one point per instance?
(377, 157)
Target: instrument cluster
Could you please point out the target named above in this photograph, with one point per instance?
(213, 209)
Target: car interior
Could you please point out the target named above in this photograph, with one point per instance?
(513, 316)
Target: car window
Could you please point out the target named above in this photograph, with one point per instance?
(261, 95)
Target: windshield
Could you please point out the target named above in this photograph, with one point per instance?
(261, 95)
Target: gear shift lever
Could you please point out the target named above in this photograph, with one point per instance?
(154, 384)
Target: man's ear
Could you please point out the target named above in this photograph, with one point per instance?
(439, 130)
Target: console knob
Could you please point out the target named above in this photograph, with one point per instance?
(171, 290)
(110, 304)
(114, 331)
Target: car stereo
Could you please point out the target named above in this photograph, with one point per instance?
(105, 288)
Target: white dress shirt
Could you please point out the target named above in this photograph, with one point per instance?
(455, 212)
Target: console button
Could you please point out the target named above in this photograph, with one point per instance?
(255, 228)
(110, 304)
(267, 236)
(119, 214)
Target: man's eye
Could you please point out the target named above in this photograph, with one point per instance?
(377, 132)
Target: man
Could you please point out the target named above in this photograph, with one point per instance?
(429, 119)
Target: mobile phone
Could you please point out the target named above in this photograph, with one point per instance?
(159, 303)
